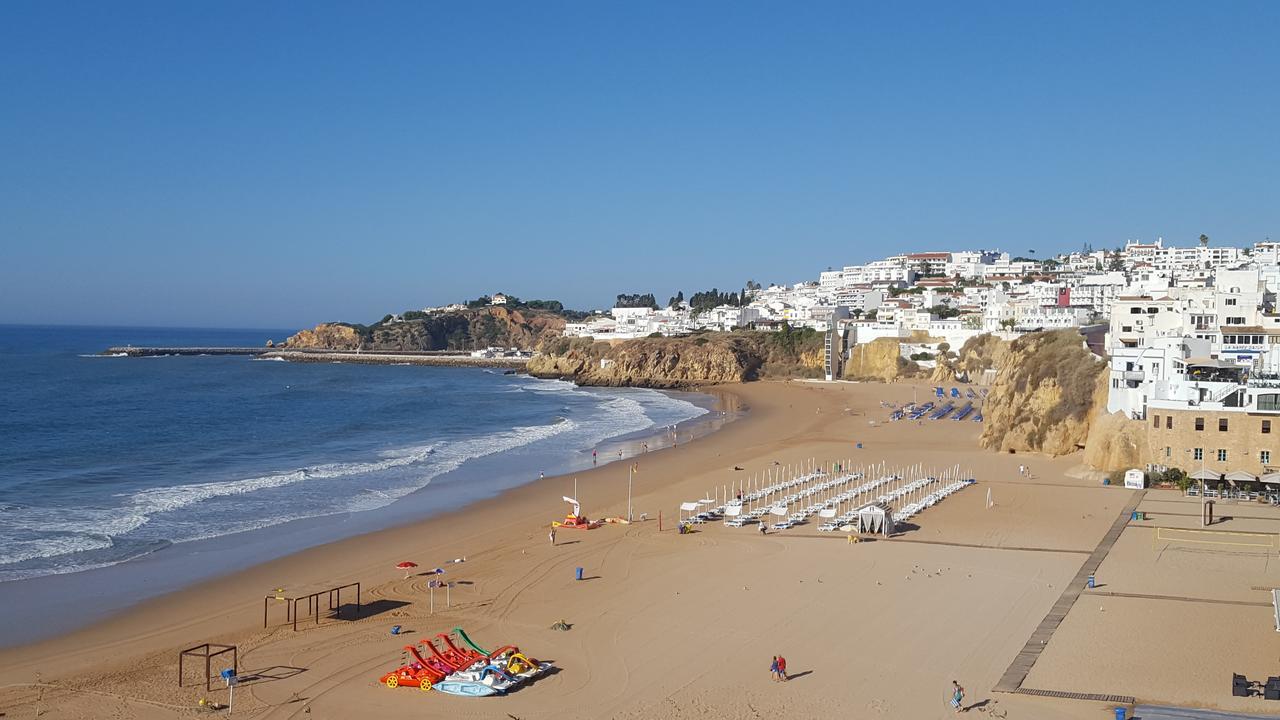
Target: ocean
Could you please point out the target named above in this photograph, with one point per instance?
(104, 460)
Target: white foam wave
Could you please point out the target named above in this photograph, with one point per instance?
(19, 550)
(176, 497)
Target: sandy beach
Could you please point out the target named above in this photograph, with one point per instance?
(684, 626)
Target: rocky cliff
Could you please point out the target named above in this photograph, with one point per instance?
(706, 359)
(881, 359)
(1048, 389)
(462, 330)
(1115, 442)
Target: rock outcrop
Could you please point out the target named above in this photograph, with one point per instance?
(462, 330)
(1047, 390)
(326, 336)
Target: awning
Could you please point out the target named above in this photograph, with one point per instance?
(1240, 476)
(1206, 475)
(1271, 478)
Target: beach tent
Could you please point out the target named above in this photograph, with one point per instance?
(874, 519)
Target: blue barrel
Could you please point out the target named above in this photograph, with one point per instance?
(577, 574)
(1091, 585)
(1120, 713)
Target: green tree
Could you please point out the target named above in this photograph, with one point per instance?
(1204, 240)
(1117, 260)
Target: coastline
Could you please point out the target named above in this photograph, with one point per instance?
(63, 606)
(665, 624)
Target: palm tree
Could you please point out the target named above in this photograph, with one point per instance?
(1204, 240)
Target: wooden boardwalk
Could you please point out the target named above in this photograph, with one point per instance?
(1022, 663)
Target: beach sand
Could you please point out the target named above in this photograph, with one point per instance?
(683, 626)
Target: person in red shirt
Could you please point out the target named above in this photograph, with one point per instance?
(782, 668)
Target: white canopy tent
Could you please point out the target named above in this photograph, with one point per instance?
(874, 519)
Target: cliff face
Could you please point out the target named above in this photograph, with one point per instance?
(657, 362)
(880, 359)
(463, 330)
(1047, 390)
(1115, 442)
(681, 362)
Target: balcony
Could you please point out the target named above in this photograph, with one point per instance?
(1135, 375)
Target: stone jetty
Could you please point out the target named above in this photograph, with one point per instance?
(374, 357)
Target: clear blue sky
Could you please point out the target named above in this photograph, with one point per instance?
(278, 164)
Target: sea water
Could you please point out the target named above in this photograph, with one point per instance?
(104, 460)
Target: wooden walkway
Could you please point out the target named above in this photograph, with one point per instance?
(1039, 640)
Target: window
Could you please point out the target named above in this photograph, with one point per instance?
(1168, 451)
(1155, 421)
(1135, 311)
(1265, 457)
(1199, 423)
(1229, 301)
(1222, 456)
(1168, 422)
(1126, 328)
(1270, 401)
(1222, 424)
(1197, 454)
(1266, 427)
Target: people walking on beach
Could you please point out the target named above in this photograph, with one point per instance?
(773, 668)
(763, 528)
(593, 457)
(957, 696)
(782, 668)
(552, 535)
(541, 475)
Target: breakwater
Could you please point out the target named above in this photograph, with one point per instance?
(387, 358)
(368, 357)
(132, 351)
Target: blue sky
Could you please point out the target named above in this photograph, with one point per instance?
(265, 165)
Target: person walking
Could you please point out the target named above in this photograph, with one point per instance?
(782, 668)
(773, 668)
(593, 457)
(552, 535)
(763, 528)
(957, 696)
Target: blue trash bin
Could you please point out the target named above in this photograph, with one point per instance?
(577, 574)
(1120, 713)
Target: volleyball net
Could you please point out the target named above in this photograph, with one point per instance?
(1220, 540)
